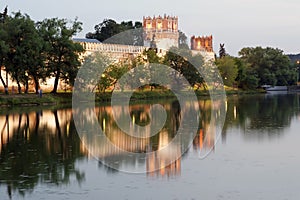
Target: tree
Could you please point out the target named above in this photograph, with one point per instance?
(189, 66)
(23, 60)
(4, 49)
(247, 77)
(228, 69)
(271, 65)
(110, 31)
(61, 52)
(3, 15)
(222, 51)
(182, 41)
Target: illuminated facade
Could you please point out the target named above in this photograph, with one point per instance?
(163, 31)
(202, 43)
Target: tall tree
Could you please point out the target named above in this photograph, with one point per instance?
(3, 51)
(189, 66)
(228, 69)
(3, 46)
(182, 41)
(247, 78)
(271, 65)
(23, 60)
(124, 33)
(62, 53)
(222, 51)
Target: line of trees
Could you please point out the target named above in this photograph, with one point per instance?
(188, 66)
(257, 66)
(31, 52)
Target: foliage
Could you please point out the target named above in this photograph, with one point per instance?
(186, 64)
(32, 52)
(61, 52)
(182, 41)
(23, 59)
(271, 65)
(247, 77)
(4, 49)
(222, 51)
(110, 31)
(228, 69)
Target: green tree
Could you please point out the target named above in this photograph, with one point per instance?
(247, 77)
(4, 49)
(271, 65)
(110, 31)
(62, 53)
(228, 69)
(23, 60)
(182, 41)
(189, 66)
(222, 51)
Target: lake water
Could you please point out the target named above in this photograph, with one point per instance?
(255, 156)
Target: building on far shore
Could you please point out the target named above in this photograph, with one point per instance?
(162, 32)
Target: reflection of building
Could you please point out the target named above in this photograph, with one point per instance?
(161, 163)
(166, 162)
(206, 136)
(52, 124)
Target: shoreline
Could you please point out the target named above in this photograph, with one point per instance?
(65, 99)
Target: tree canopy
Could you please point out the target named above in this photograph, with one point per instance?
(32, 52)
(61, 52)
(110, 31)
(270, 65)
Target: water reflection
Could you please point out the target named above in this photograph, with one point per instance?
(38, 147)
(262, 115)
(148, 154)
(43, 147)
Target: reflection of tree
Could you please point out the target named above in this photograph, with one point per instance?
(265, 113)
(205, 138)
(33, 152)
(139, 114)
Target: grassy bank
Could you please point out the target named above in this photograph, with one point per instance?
(60, 99)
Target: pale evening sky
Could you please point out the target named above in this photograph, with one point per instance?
(237, 23)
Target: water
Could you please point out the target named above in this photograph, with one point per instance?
(255, 156)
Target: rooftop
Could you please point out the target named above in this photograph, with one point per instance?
(86, 40)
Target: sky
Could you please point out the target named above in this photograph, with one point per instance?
(237, 23)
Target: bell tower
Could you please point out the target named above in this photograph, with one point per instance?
(202, 43)
(164, 30)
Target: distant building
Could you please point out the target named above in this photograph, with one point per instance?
(203, 46)
(202, 43)
(158, 32)
(163, 31)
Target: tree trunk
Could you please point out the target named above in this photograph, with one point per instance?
(36, 84)
(2, 80)
(56, 82)
(3, 83)
(57, 124)
(37, 121)
(26, 87)
(19, 86)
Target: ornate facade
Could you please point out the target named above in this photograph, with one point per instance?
(160, 32)
(163, 31)
(202, 43)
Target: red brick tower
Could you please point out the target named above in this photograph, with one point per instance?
(202, 43)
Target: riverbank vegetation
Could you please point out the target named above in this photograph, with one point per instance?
(31, 52)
